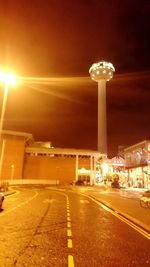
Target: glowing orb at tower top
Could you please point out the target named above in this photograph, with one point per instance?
(101, 71)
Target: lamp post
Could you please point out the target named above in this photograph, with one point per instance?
(7, 79)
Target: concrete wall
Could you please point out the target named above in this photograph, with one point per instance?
(13, 157)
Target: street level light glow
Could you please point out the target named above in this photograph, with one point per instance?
(101, 72)
(7, 78)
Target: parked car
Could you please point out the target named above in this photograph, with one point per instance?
(115, 184)
(1, 199)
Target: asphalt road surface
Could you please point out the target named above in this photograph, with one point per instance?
(47, 227)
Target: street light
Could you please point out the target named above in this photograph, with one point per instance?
(8, 79)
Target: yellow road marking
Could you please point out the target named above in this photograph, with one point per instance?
(131, 224)
(84, 201)
(69, 233)
(68, 219)
(19, 205)
(69, 224)
(70, 243)
(14, 194)
(134, 226)
(70, 261)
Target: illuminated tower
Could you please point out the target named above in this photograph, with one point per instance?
(101, 72)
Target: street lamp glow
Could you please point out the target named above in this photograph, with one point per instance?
(7, 78)
(101, 72)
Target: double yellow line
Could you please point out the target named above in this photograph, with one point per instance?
(122, 218)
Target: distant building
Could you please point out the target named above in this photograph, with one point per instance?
(61, 164)
(118, 164)
(22, 160)
(26, 161)
(121, 150)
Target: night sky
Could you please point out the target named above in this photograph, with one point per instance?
(61, 40)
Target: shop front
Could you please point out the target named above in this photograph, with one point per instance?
(137, 164)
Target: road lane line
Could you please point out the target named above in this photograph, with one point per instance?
(11, 195)
(19, 205)
(69, 232)
(69, 224)
(84, 201)
(70, 245)
(122, 218)
(70, 261)
(134, 226)
(127, 221)
(68, 219)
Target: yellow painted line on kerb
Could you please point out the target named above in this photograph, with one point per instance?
(70, 261)
(120, 217)
(131, 224)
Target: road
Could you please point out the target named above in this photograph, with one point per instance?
(49, 227)
(123, 201)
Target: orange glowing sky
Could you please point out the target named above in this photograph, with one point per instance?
(61, 40)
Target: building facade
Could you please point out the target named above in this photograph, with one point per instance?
(25, 161)
(137, 164)
(12, 148)
(61, 165)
